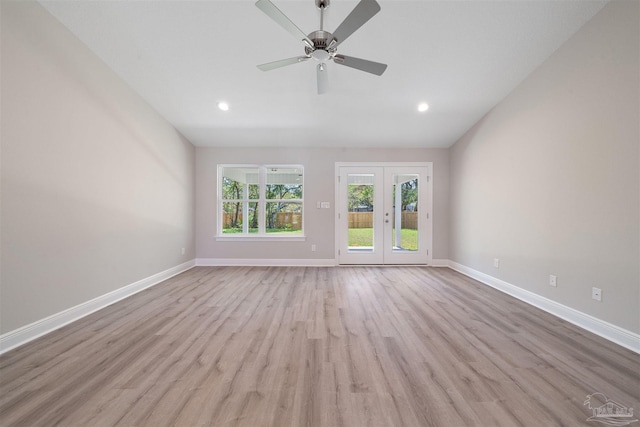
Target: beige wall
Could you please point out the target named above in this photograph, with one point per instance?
(548, 181)
(97, 188)
(319, 181)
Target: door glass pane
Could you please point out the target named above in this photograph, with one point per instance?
(405, 213)
(360, 192)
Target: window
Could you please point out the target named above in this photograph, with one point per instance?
(260, 201)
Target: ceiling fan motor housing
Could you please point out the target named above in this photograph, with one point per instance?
(322, 48)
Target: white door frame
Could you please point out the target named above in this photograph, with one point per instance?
(426, 208)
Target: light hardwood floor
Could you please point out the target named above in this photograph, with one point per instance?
(294, 346)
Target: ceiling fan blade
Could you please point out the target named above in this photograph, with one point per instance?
(376, 68)
(323, 79)
(358, 16)
(276, 14)
(282, 63)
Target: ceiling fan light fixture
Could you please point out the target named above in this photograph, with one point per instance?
(422, 107)
(223, 106)
(320, 55)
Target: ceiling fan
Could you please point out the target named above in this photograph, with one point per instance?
(322, 45)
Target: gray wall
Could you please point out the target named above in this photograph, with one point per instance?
(97, 188)
(319, 181)
(548, 181)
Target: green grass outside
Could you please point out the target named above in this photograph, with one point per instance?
(364, 237)
(231, 230)
(357, 236)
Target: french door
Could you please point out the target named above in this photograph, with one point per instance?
(384, 214)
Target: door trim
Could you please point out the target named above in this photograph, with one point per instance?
(336, 203)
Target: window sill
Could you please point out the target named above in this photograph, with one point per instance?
(260, 238)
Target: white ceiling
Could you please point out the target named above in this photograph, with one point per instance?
(461, 57)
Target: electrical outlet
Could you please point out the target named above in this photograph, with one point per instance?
(496, 263)
(596, 294)
(553, 280)
(313, 248)
(182, 251)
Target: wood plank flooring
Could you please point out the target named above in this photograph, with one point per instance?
(306, 346)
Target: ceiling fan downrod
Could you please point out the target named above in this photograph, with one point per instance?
(324, 45)
(322, 5)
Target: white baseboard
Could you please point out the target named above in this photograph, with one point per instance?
(239, 262)
(27, 333)
(599, 327)
(41, 327)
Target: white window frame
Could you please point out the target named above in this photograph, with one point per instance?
(262, 201)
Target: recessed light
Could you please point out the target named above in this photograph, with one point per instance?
(223, 106)
(422, 107)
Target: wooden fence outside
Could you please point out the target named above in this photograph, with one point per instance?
(365, 220)
(283, 219)
(356, 220)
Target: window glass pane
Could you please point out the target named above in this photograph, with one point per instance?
(284, 183)
(231, 217)
(234, 215)
(252, 225)
(254, 191)
(231, 189)
(283, 217)
(240, 183)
